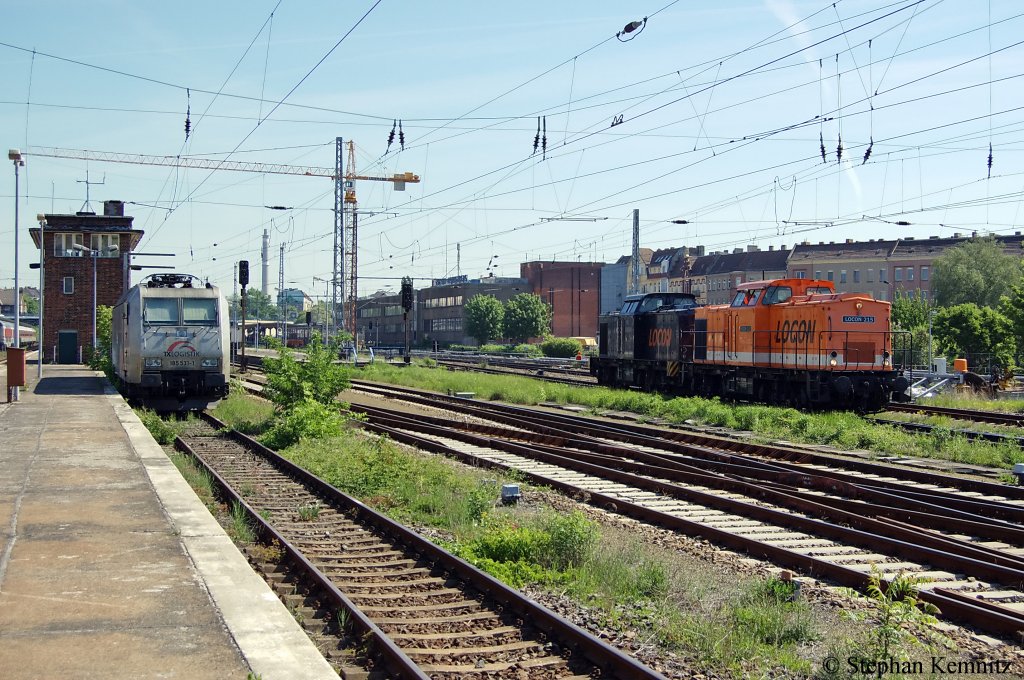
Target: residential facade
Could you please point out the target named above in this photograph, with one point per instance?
(86, 258)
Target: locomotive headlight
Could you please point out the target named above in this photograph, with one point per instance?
(858, 306)
(154, 362)
(886, 360)
(834, 360)
(210, 363)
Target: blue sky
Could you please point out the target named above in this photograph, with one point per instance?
(724, 108)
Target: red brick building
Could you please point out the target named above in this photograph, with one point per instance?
(573, 289)
(77, 250)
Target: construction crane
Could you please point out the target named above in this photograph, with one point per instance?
(183, 162)
(349, 277)
(351, 292)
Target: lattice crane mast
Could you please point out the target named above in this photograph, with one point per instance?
(182, 162)
(351, 292)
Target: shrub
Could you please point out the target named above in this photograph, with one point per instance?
(572, 540)
(561, 347)
(306, 419)
(317, 378)
(161, 430)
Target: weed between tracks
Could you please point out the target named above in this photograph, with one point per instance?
(842, 430)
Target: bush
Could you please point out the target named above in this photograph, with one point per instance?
(572, 540)
(306, 419)
(161, 430)
(561, 347)
(317, 378)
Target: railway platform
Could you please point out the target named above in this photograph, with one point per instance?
(110, 566)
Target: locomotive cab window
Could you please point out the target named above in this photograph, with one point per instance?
(160, 311)
(818, 290)
(776, 294)
(652, 303)
(746, 298)
(199, 311)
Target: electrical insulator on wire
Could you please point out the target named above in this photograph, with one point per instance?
(188, 114)
(401, 136)
(990, 160)
(536, 137)
(391, 136)
(867, 154)
(821, 140)
(839, 150)
(544, 140)
(632, 26)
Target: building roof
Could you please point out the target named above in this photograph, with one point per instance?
(747, 261)
(7, 296)
(933, 244)
(113, 219)
(645, 256)
(808, 251)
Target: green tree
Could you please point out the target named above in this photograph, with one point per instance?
(257, 306)
(527, 316)
(1012, 307)
(101, 359)
(317, 378)
(484, 318)
(976, 271)
(31, 305)
(970, 329)
(908, 313)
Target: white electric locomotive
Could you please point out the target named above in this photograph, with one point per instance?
(170, 343)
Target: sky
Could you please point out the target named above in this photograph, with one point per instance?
(719, 122)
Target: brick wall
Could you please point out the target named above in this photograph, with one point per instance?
(63, 312)
(572, 289)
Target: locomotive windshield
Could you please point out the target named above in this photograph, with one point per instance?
(160, 312)
(777, 294)
(199, 311)
(747, 298)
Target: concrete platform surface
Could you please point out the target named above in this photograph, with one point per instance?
(110, 566)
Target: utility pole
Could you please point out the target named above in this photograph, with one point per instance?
(266, 262)
(634, 276)
(243, 279)
(281, 305)
(338, 276)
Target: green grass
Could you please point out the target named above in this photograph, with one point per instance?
(843, 430)
(414, 489)
(197, 477)
(969, 401)
(242, 412)
(240, 529)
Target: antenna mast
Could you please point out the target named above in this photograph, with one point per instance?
(87, 207)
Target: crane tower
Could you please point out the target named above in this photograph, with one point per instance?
(350, 246)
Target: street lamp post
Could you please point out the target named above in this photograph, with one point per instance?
(94, 254)
(14, 155)
(931, 315)
(41, 350)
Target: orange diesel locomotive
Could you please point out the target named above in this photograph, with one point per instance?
(787, 341)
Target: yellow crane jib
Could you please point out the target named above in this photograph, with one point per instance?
(399, 179)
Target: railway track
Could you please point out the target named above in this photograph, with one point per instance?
(421, 611)
(565, 376)
(967, 544)
(975, 415)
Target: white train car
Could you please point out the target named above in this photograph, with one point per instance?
(169, 343)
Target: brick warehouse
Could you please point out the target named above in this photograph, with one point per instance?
(73, 246)
(573, 289)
